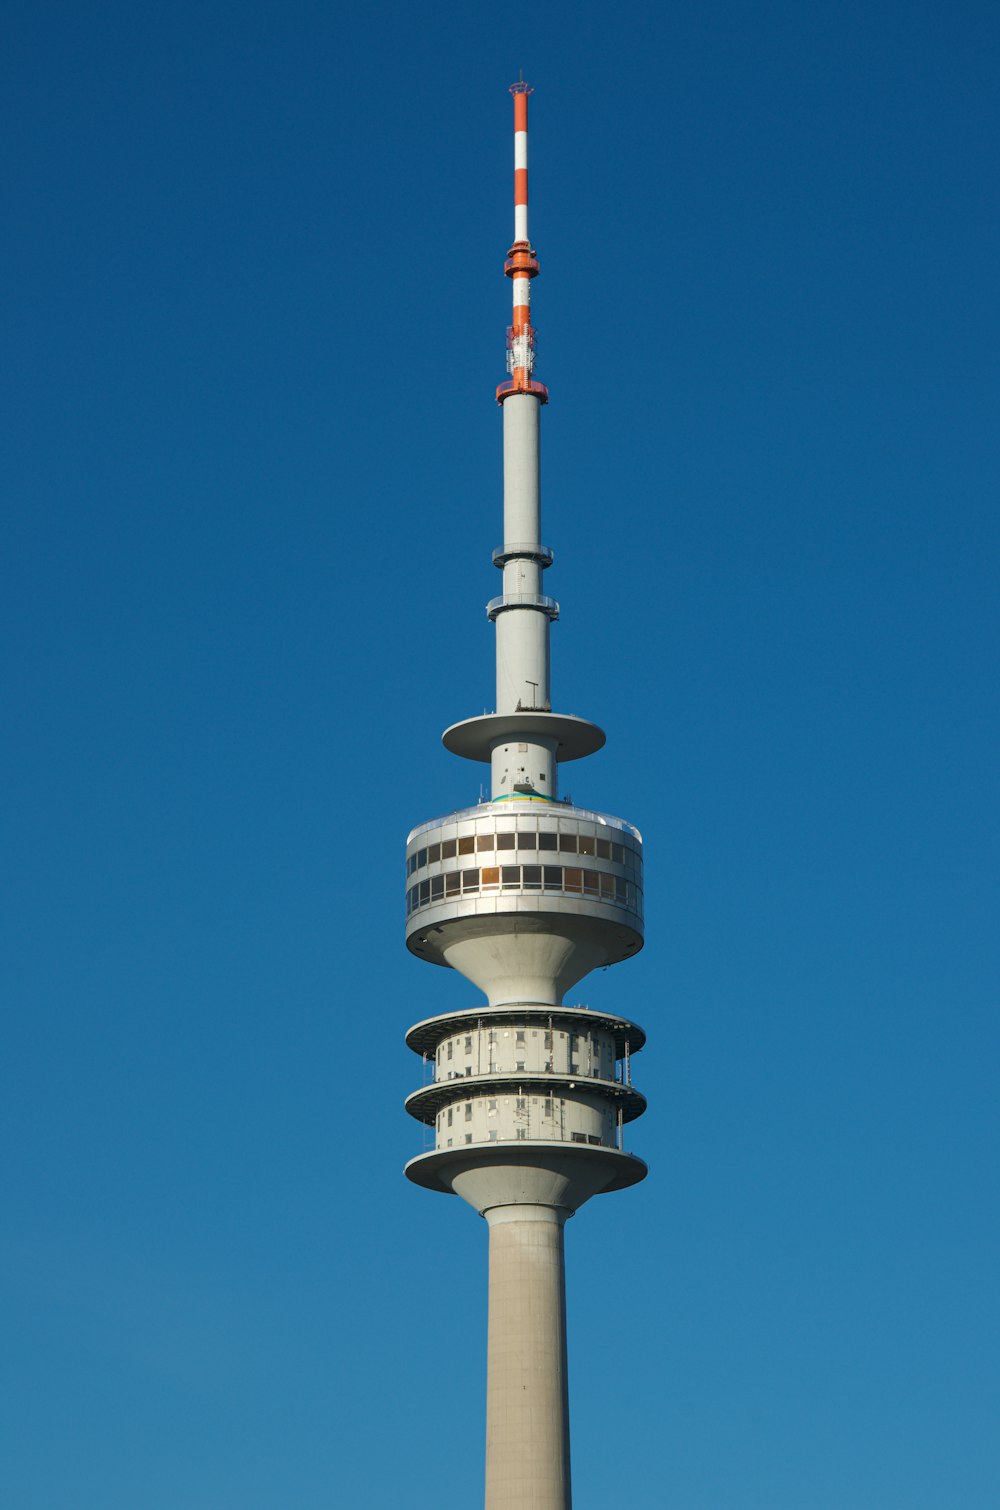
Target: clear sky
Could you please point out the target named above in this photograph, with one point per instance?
(254, 318)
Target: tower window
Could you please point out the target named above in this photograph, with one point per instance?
(448, 849)
(484, 841)
(548, 841)
(519, 1036)
(505, 841)
(567, 843)
(527, 841)
(467, 845)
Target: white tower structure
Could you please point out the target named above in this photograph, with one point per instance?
(524, 895)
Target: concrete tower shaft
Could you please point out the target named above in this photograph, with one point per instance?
(525, 1098)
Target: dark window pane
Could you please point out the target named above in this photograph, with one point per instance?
(532, 875)
(437, 888)
(617, 854)
(567, 843)
(421, 858)
(548, 841)
(433, 853)
(448, 849)
(466, 845)
(603, 849)
(621, 889)
(491, 875)
(607, 886)
(453, 882)
(573, 878)
(591, 884)
(484, 841)
(505, 841)
(527, 841)
(425, 892)
(553, 877)
(411, 864)
(586, 844)
(470, 880)
(512, 875)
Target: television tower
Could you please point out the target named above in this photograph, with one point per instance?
(524, 895)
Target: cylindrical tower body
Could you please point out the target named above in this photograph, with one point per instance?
(527, 1396)
(525, 1098)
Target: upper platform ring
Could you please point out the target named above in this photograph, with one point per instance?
(476, 738)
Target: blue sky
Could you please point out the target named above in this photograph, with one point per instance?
(254, 318)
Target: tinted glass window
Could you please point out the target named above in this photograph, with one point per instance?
(505, 841)
(512, 875)
(603, 849)
(491, 875)
(548, 841)
(567, 843)
(586, 844)
(532, 875)
(433, 853)
(527, 841)
(466, 845)
(553, 877)
(573, 878)
(448, 849)
(484, 841)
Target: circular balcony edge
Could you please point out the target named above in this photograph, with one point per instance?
(435, 1170)
(424, 1104)
(542, 555)
(538, 601)
(424, 1036)
(476, 738)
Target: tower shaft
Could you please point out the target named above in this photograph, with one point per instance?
(527, 1396)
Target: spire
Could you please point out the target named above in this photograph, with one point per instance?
(521, 265)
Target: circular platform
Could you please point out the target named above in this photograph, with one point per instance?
(476, 738)
(519, 1169)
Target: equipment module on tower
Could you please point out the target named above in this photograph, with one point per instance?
(524, 895)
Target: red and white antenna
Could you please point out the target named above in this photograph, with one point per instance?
(521, 265)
